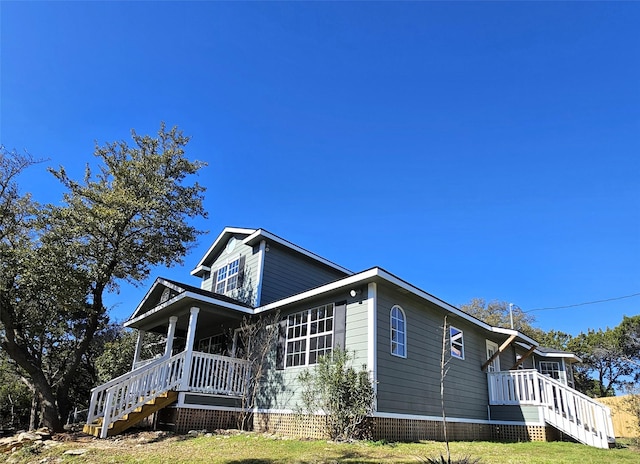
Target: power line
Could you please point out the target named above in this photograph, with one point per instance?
(583, 304)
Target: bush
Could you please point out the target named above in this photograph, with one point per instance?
(345, 395)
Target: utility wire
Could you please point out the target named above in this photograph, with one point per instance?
(583, 304)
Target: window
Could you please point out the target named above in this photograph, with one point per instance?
(552, 369)
(216, 344)
(227, 277)
(398, 332)
(492, 348)
(457, 342)
(309, 335)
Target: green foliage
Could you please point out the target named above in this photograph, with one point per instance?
(57, 261)
(15, 397)
(118, 348)
(345, 395)
(443, 460)
(497, 314)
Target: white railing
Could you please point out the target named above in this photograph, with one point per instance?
(573, 413)
(214, 374)
(124, 394)
(209, 373)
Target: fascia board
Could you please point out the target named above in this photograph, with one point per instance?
(520, 335)
(218, 240)
(192, 296)
(422, 294)
(346, 282)
(261, 233)
(200, 269)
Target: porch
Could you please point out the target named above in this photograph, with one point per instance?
(571, 412)
(154, 383)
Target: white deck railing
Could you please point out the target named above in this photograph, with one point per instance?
(211, 373)
(573, 413)
(208, 374)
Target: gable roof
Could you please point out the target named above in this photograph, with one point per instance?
(253, 237)
(150, 304)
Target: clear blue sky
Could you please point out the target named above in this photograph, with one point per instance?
(475, 149)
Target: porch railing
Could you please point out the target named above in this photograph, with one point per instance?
(124, 394)
(214, 374)
(209, 373)
(573, 413)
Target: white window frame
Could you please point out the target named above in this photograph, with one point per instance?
(557, 369)
(227, 276)
(492, 347)
(456, 342)
(302, 325)
(400, 338)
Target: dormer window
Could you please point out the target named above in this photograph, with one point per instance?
(227, 277)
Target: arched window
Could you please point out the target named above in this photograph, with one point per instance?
(398, 332)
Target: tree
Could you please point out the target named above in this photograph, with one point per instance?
(498, 314)
(256, 340)
(59, 261)
(343, 393)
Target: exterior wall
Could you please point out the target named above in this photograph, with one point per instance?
(529, 414)
(412, 385)
(247, 293)
(286, 273)
(281, 389)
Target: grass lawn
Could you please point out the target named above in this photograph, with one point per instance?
(249, 448)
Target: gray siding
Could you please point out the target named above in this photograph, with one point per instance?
(515, 413)
(281, 389)
(247, 293)
(211, 400)
(412, 385)
(287, 273)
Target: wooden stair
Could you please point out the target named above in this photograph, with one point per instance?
(131, 419)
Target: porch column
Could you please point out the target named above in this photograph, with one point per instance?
(191, 337)
(173, 320)
(138, 352)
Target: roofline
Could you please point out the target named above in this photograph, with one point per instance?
(380, 273)
(268, 235)
(193, 296)
(232, 230)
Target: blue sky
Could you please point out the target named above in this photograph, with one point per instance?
(475, 149)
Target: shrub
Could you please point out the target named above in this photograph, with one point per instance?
(345, 395)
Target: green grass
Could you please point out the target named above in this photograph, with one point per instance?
(250, 448)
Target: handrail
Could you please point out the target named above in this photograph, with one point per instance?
(209, 373)
(215, 374)
(570, 411)
(126, 393)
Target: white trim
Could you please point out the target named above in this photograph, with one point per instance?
(346, 282)
(461, 357)
(218, 240)
(261, 257)
(395, 415)
(194, 296)
(274, 238)
(404, 332)
(224, 264)
(496, 362)
(372, 329)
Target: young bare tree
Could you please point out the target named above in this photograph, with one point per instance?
(256, 341)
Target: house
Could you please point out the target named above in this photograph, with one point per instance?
(500, 384)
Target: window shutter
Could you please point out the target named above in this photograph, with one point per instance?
(281, 347)
(214, 279)
(339, 324)
(241, 271)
